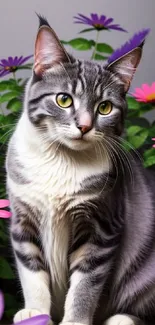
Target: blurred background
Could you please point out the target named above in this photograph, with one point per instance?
(18, 26)
(19, 23)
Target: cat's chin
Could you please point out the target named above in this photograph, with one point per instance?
(77, 144)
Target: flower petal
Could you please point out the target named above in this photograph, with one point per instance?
(5, 214)
(140, 91)
(11, 61)
(1, 304)
(19, 60)
(25, 59)
(108, 21)
(36, 320)
(147, 89)
(4, 203)
(5, 62)
(134, 42)
(117, 27)
(95, 18)
(102, 19)
(85, 19)
(4, 73)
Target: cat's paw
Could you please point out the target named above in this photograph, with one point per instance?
(71, 323)
(27, 313)
(120, 320)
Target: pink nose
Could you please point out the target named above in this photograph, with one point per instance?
(85, 122)
(84, 128)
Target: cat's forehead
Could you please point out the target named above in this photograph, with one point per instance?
(80, 77)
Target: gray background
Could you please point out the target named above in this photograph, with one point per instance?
(18, 26)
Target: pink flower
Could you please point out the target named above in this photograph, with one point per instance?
(153, 144)
(145, 94)
(4, 213)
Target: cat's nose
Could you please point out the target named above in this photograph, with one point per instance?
(84, 128)
(85, 122)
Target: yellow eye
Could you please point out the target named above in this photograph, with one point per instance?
(64, 100)
(105, 108)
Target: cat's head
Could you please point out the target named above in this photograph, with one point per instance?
(75, 102)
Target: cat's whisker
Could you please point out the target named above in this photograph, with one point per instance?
(117, 152)
(124, 157)
(112, 157)
(107, 158)
(129, 145)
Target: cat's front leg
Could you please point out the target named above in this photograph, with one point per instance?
(30, 262)
(89, 269)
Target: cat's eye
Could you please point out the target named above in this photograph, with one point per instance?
(105, 108)
(64, 100)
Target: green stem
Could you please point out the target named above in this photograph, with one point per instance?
(14, 75)
(94, 51)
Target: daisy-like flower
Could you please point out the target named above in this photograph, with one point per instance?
(145, 94)
(3, 213)
(12, 64)
(98, 22)
(136, 40)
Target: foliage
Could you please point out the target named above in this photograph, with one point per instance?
(139, 132)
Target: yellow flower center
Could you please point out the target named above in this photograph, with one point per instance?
(150, 97)
(13, 68)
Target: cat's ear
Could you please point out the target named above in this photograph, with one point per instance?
(48, 49)
(125, 67)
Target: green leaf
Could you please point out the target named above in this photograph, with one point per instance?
(150, 161)
(25, 67)
(132, 103)
(102, 47)
(152, 131)
(134, 129)
(4, 85)
(99, 57)
(8, 96)
(87, 30)
(14, 105)
(5, 269)
(140, 121)
(10, 301)
(145, 108)
(80, 44)
(138, 140)
(10, 84)
(3, 236)
(149, 152)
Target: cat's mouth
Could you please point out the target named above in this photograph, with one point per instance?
(77, 143)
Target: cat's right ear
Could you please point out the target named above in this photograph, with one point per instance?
(48, 50)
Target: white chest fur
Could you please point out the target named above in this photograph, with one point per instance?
(54, 179)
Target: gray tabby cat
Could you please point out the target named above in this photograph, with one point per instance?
(83, 225)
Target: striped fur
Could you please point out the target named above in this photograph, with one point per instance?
(83, 211)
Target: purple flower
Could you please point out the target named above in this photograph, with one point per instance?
(1, 304)
(134, 42)
(36, 320)
(12, 64)
(98, 22)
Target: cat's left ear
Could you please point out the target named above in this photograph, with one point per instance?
(49, 52)
(125, 67)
